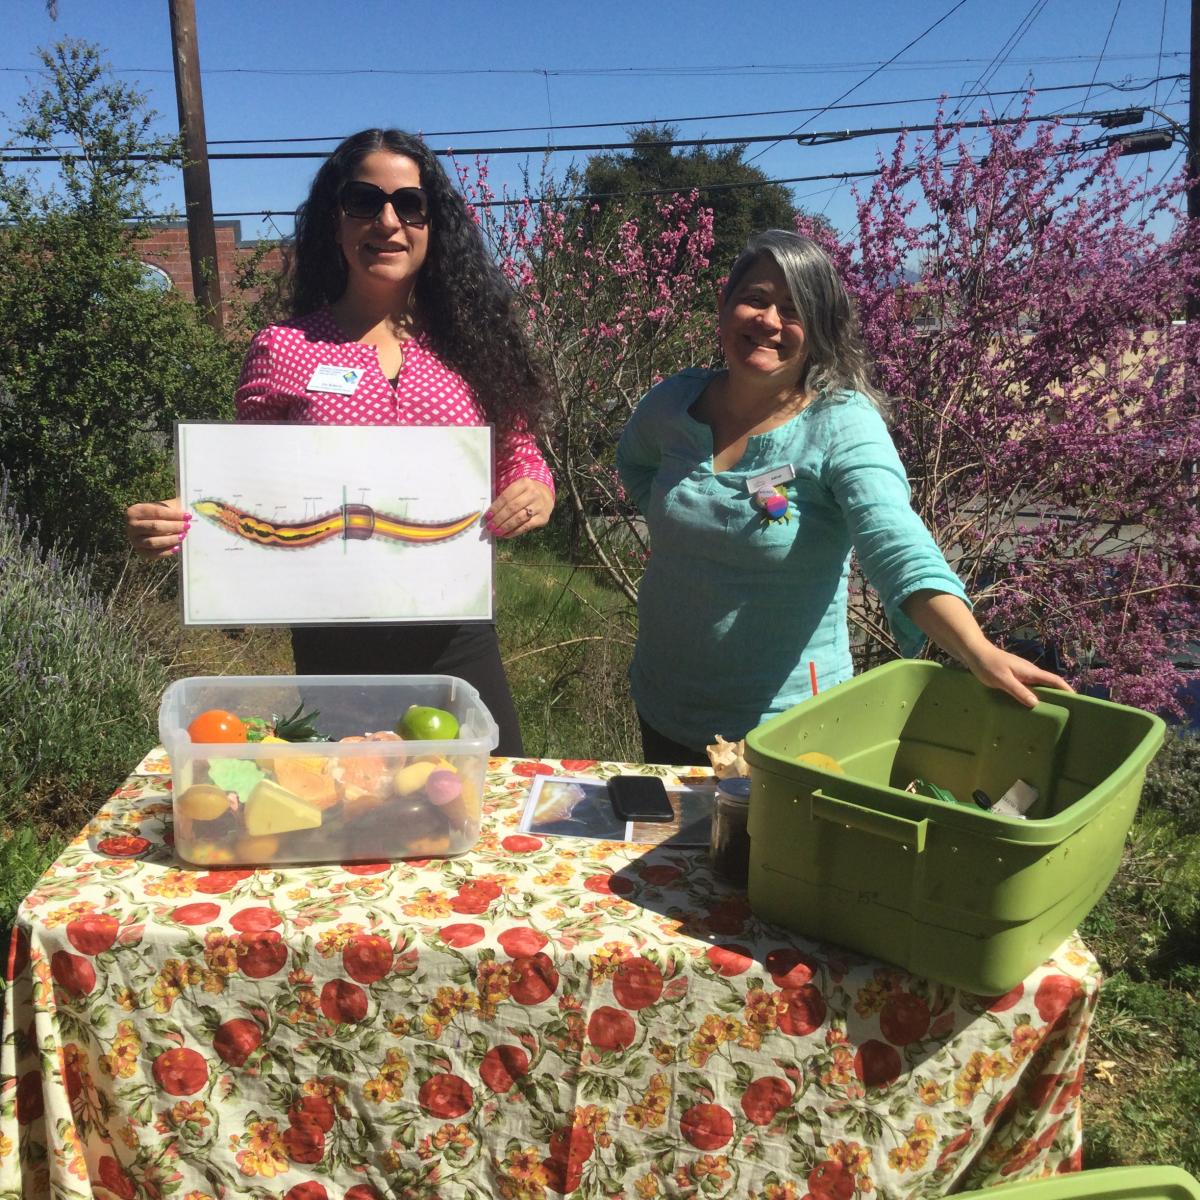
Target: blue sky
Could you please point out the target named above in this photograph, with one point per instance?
(297, 70)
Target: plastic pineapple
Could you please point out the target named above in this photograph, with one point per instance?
(300, 726)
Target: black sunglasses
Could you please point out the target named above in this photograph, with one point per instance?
(364, 201)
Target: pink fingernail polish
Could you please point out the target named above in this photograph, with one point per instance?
(174, 549)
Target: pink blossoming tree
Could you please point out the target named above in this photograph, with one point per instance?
(1024, 317)
(1043, 403)
(614, 304)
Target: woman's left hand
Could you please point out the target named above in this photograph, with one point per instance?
(1012, 674)
(524, 505)
(949, 622)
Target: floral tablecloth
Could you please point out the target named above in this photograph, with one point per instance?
(540, 1016)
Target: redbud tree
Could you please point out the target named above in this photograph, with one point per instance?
(1023, 308)
(1044, 392)
(614, 304)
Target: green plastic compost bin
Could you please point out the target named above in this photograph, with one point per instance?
(1106, 1183)
(947, 890)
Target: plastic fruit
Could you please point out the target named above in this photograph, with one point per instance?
(208, 854)
(306, 777)
(203, 802)
(361, 777)
(445, 789)
(271, 809)
(814, 758)
(260, 849)
(438, 760)
(423, 723)
(217, 725)
(411, 779)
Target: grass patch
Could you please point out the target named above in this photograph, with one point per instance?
(566, 640)
(1143, 1091)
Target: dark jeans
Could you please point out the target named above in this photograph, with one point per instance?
(658, 748)
(470, 652)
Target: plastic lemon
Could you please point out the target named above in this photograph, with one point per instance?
(260, 849)
(814, 758)
(411, 779)
(203, 802)
(422, 723)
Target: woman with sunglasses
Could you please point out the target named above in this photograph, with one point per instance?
(389, 274)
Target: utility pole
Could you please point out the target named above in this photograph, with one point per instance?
(197, 189)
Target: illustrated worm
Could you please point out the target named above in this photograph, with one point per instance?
(353, 522)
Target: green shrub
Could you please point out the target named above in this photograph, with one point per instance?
(1148, 923)
(1146, 934)
(94, 365)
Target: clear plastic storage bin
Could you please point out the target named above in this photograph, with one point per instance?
(365, 793)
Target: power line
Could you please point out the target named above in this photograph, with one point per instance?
(1010, 44)
(843, 177)
(1128, 86)
(641, 122)
(1104, 48)
(810, 139)
(810, 68)
(1162, 33)
(872, 74)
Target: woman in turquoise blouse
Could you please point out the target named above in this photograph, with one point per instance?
(757, 482)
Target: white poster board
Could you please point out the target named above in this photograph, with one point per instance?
(331, 524)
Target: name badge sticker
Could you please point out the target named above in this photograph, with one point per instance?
(770, 479)
(342, 381)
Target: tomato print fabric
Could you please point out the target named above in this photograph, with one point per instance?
(540, 1017)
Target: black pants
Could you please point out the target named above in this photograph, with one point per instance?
(470, 652)
(658, 748)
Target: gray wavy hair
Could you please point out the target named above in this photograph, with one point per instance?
(837, 360)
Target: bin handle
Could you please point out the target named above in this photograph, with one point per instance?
(869, 820)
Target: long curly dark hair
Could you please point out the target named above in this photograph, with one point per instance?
(466, 305)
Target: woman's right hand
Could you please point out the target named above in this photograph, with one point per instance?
(157, 530)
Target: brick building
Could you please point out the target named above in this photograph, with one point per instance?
(166, 250)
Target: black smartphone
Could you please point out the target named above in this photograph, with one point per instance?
(640, 798)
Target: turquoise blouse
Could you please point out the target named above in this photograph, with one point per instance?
(733, 607)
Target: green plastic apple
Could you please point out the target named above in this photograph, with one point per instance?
(422, 723)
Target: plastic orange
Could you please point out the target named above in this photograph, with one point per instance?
(217, 725)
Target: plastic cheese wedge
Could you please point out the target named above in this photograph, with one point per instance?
(271, 809)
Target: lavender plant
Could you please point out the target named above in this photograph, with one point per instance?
(79, 690)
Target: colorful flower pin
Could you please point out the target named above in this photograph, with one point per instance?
(773, 502)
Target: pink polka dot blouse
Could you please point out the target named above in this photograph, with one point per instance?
(283, 358)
